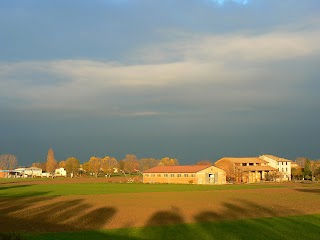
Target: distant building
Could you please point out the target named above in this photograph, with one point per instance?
(185, 175)
(4, 173)
(245, 170)
(60, 172)
(29, 171)
(283, 165)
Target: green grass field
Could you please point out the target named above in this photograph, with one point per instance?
(299, 227)
(112, 188)
(21, 194)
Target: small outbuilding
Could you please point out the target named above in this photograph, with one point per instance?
(198, 174)
(60, 172)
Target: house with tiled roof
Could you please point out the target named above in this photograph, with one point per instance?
(204, 174)
(283, 165)
(245, 169)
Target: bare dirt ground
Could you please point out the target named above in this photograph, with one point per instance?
(75, 213)
(64, 180)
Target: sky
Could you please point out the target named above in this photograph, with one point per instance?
(189, 79)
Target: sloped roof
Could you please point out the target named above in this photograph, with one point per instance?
(256, 168)
(244, 160)
(278, 159)
(177, 169)
(28, 168)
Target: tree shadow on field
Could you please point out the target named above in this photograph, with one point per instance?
(312, 190)
(173, 216)
(12, 186)
(52, 217)
(36, 213)
(238, 219)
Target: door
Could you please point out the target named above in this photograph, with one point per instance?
(211, 178)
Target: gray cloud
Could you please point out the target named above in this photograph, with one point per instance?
(243, 82)
(232, 70)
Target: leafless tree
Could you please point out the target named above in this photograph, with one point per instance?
(39, 165)
(204, 162)
(8, 161)
(147, 163)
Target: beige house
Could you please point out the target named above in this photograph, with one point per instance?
(185, 175)
(60, 172)
(245, 170)
(283, 165)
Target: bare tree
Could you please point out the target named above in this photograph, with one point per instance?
(51, 162)
(147, 163)
(8, 161)
(301, 161)
(39, 165)
(204, 162)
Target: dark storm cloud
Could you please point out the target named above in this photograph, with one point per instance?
(156, 77)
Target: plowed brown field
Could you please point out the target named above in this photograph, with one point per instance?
(74, 213)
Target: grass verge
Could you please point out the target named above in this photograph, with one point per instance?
(298, 227)
(114, 188)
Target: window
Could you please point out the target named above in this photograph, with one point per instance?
(153, 175)
(178, 175)
(146, 175)
(158, 175)
(171, 175)
(165, 175)
(250, 164)
(244, 164)
(185, 175)
(193, 175)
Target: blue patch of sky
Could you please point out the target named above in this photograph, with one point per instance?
(222, 2)
(95, 30)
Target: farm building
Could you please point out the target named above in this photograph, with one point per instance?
(6, 173)
(283, 165)
(30, 172)
(245, 170)
(185, 174)
(3, 174)
(60, 172)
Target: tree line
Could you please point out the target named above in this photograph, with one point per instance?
(103, 165)
(8, 161)
(306, 169)
(302, 168)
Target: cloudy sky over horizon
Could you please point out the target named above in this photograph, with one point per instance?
(191, 79)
